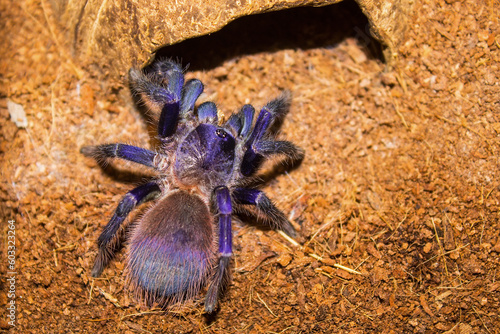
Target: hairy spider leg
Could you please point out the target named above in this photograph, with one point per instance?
(172, 94)
(246, 115)
(273, 110)
(270, 147)
(234, 122)
(127, 152)
(190, 93)
(241, 122)
(207, 112)
(162, 68)
(106, 240)
(274, 217)
(252, 160)
(163, 90)
(221, 273)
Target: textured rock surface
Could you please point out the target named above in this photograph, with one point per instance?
(126, 33)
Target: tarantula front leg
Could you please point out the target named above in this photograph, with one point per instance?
(258, 146)
(271, 147)
(220, 277)
(127, 152)
(163, 90)
(266, 209)
(106, 241)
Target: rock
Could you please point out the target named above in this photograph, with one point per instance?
(127, 33)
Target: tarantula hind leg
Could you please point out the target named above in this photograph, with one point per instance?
(107, 239)
(221, 274)
(265, 209)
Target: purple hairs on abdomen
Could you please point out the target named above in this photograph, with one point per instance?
(170, 249)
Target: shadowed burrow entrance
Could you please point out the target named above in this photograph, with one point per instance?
(297, 28)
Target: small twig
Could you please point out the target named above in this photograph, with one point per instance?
(385, 221)
(67, 247)
(140, 314)
(90, 292)
(52, 106)
(289, 239)
(359, 265)
(336, 265)
(109, 297)
(54, 252)
(448, 252)
(317, 257)
(440, 247)
(480, 318)
(489, 192)
(400, 223)
(396, 107)
(96, 320)
(264, 303)
(352, 271)
(482, 230)
(324, 226)
(270, 332)
(136, 327)
(355, 70)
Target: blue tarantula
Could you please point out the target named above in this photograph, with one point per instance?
(183, 243)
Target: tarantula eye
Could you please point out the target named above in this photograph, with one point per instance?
(221, 133)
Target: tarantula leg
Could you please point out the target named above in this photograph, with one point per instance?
(251, 159)
(162, 69)
(151, 88)
(261, 125)
(241, 122)
(279, 106)
(221, 274)
(107, 241)
(190, 93)
(234, 122)
(266, 209)
(270, 147)
(225, 209)
(161, 90)
(251, 162)
(127, 152)
(169, 116)
(207, 111)
(246, 116)
(273, 110)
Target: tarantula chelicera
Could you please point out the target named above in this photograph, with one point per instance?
(183, 242)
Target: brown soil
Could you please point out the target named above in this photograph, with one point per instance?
(396, 202)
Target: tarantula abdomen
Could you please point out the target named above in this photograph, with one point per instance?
(171, 249)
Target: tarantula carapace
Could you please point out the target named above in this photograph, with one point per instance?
(183, 242)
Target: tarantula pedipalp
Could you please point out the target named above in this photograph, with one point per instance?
(184, 241)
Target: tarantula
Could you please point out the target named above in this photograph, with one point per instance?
(183, 243)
